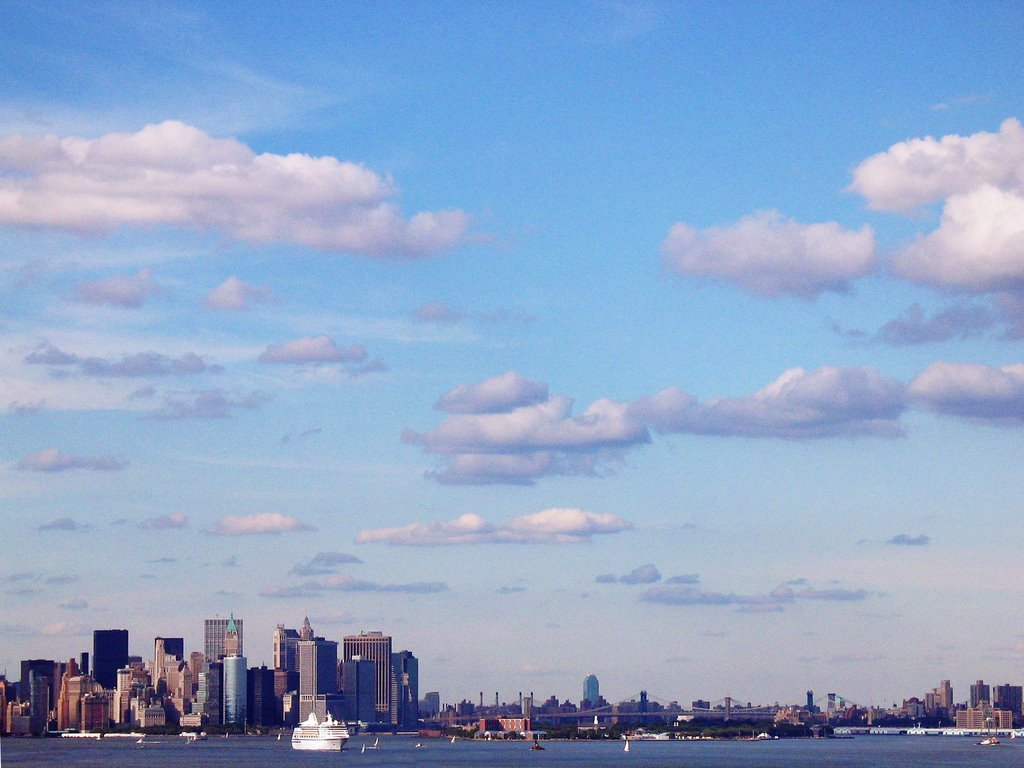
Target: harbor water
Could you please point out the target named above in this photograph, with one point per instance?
(401, 752)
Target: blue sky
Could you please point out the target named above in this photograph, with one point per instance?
(674, 343)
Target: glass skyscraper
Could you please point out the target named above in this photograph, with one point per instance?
(109, 654)
(235, 689)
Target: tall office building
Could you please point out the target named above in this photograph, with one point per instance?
(173, 646)
(209, 695)
(980, 694)
(375, 647)
(109, 654)
(405, 690)
(318, 672)
(591, 689)
(215, 633)
(286, 647)
(261, 704)
(42, 667)
(359, 686)
(235, 690)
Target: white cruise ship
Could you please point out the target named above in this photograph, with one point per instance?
(312, 734)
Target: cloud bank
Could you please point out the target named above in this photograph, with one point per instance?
(172, 174)
(556, 525)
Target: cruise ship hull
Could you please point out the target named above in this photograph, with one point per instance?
(319, 744)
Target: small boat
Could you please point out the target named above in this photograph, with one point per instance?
(363, 750)
(376, 744)
(989, 741)
(536, 746)
(418, 745)
(453, 739)
(626, 748)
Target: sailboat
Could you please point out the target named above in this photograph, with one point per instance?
(453, 739)
(626, 748)
(363, 750)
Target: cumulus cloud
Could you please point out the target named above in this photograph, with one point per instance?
(167, 522)
(526, 442)
(972, 391)
(978, 246)
(128, 291)
(207, 404)
(142, 364)
(825, 402)
(319, 349)
(920, 171)
(556, 525)
(499, 394)
(906, 540)
(235, 294)
(959, 321)
(438, 312)
(172, 174)
(55, 460)
(259, 523)
(771, 255)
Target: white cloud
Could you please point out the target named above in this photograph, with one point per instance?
(235, 294)
(319, 349)
(263, 522)
(176, 175)
(129, 291)
(920, 171)
(825, 402)
(141, 364)
(499, 394)
(556, 525)
(527, 442)
(978, 246)
(770, 255)
(55, 460)
(546, 425)
(973, 391)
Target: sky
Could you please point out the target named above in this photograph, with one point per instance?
(676, 343)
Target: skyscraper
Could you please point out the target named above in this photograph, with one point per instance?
(286, 648)
(215, 633)
(405, 691)
(260, 706)
(376, 647)
(235, 690)
(591, 689)
(359, 684)
(109, 654)
(318, 672)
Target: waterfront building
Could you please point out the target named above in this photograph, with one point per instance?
(591, 689)
(405, 690)
(260, 702)
(1009, 697)
(209, 696)
(983, 717)
(235, 690)
(359, 685)
(109, 654)
(430, 706)
(215, 634)
(375, 647)
(318, 672)
(95, 711)
(980, 694)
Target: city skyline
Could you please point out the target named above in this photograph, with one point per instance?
(680, 344)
